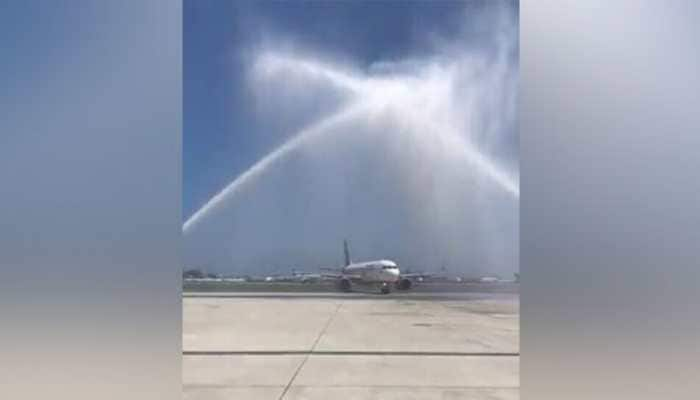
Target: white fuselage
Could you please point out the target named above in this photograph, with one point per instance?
(372, 271)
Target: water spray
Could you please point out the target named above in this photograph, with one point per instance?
(409, 95)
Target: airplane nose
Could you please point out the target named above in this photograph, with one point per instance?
(394, 274)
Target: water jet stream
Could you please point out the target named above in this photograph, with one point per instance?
(484, 165)
(488, 168)
(376, 88)
(369, 93)
(264, 163)
(270, 63)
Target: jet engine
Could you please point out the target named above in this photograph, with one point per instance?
(404, 284)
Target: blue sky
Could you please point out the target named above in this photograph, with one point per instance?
(391, 124)
(222, 134)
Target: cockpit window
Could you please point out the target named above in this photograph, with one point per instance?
(390, 267)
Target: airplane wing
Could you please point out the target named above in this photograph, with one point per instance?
(331, 272)
(416, 275)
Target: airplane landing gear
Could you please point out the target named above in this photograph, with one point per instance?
(385, 288)
(344, 285)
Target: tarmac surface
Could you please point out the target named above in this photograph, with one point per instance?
(351, 346)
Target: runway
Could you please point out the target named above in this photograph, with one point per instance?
(350, 346)
(367, 295)
(344, 353)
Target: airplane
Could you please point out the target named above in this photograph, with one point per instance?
(379, 273)
(304, 277)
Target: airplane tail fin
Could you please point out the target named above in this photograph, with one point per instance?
(347, 252)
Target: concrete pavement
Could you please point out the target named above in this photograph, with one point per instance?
(359, 348)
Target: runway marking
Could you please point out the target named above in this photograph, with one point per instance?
(348, 353)
(313, 348)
